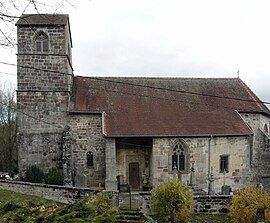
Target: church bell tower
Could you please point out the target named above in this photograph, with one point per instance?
(44, 77)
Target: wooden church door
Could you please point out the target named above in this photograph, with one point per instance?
(134, 176)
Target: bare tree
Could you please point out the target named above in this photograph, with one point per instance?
(8, 151)
(11, 10)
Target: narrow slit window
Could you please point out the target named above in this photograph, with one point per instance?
(90, 159)
(266, 128)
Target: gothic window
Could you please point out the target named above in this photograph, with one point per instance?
(90, 159)
(224, 163)
(179, 158)
(42, 42)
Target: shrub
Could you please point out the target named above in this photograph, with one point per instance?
(246, 203)
(34, 174)
(8, 206)
(172, 201)
(93, 209)
(103, 209)
(54, 176)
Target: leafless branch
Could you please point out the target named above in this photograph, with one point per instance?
(11, 10)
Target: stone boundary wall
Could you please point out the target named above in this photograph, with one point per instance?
(141, 200)
(61, 194)
(212, 203)
(215, 204)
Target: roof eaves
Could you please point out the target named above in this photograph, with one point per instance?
(26, 20)
(254, 112)
(73, 112)
(175, 136)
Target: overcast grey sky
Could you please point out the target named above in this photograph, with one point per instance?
(180, 38)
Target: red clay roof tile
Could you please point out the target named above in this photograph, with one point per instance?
(145, 111)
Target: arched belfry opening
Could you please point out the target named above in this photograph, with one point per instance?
(41, 42)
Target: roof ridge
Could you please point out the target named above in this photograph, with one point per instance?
(40, 14)
(160, 77)
(42, 19)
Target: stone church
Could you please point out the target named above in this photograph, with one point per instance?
(137, 131)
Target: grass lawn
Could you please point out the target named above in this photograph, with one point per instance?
(16, 207)
(6, 195)
(20, 208)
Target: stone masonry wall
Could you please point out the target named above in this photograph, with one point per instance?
(42, 111)
(40, 124)
(87, 136)
(51, 192)
(60, 79)
(260, 149)
(41, 149)
(236, 147)
(215, 204)
(42, 97)
(212, 204)
(56, 34)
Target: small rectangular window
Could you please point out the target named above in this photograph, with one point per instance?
(224, 163)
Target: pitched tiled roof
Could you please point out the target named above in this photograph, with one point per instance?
(42, 19)
(131, 109)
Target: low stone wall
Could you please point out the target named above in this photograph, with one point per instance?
(61, 194)
(141, 200)
(202, 203)
(146, 205)
(212, 203)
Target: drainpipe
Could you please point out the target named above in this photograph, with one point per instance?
(209, 165)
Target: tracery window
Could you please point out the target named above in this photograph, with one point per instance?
(90, 159)
(179, 158)
(42, 42)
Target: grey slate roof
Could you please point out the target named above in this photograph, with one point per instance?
(42, 19)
